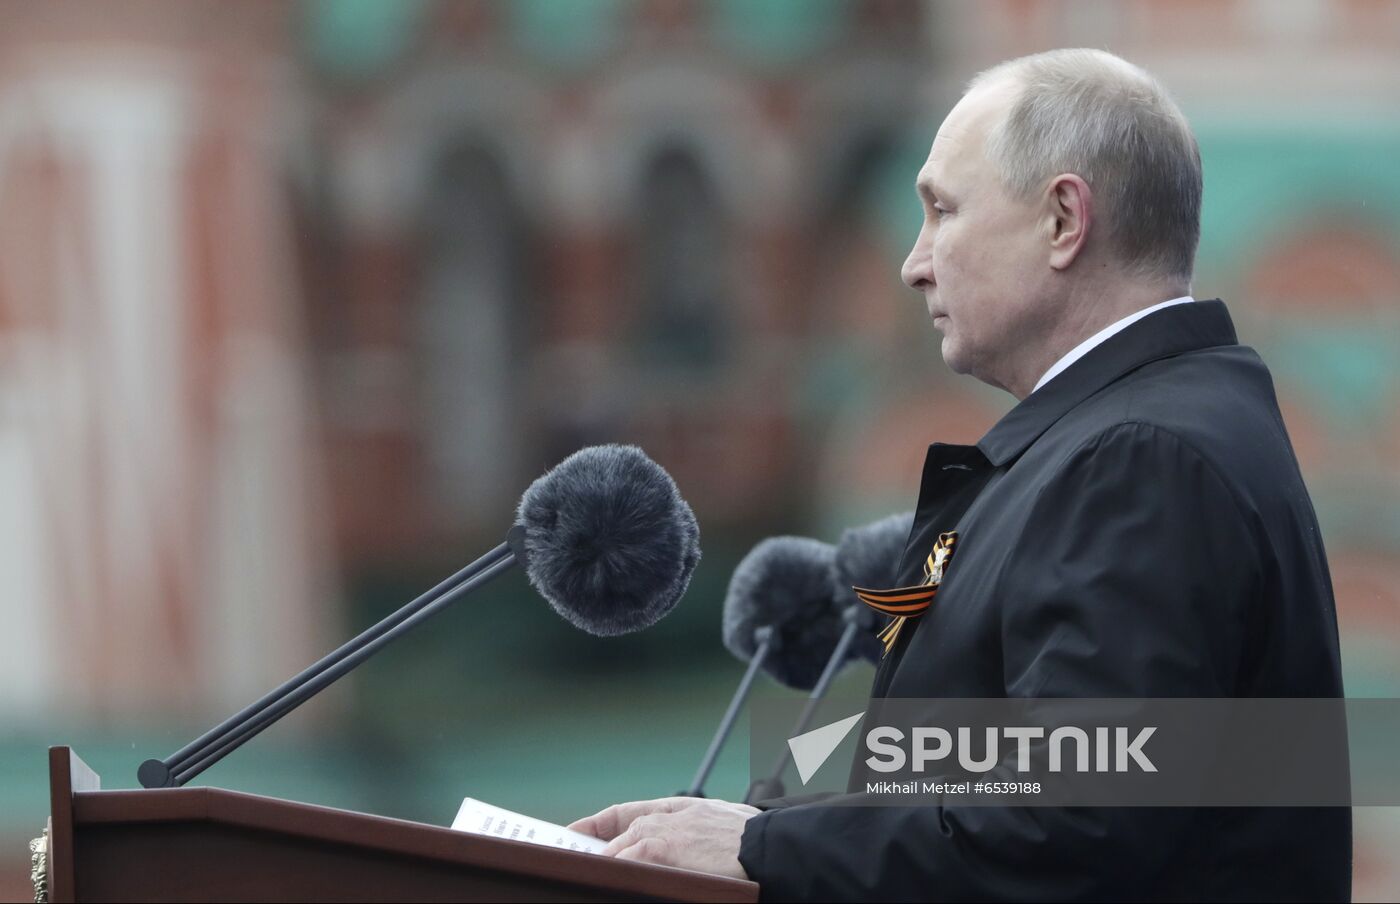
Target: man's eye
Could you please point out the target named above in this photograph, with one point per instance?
(939, 211)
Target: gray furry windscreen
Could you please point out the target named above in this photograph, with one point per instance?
(868, 556)
(612, 545)
(785, 583)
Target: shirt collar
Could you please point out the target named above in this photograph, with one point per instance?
(1082, 348)
(1170, 331)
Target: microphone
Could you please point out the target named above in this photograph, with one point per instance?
(777, 584)
(604, 537)
(866, 556)
(610, 543)
(783, 583)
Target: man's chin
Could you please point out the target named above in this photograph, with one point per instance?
(952, 357)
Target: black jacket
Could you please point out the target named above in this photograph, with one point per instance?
(1137, 527)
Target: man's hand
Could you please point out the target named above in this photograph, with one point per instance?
(686, 832)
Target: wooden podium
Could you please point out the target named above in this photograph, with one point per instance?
(206, 844)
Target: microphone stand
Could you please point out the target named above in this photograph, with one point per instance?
(221, 740)
(765, 641)
(772, 786)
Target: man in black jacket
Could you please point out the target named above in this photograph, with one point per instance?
(1135, 527)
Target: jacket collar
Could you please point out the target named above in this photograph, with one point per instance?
(1162, 334)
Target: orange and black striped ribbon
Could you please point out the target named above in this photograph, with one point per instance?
(904, 603)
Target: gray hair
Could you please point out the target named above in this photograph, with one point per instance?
(1114, 125)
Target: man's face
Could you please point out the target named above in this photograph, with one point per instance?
(977, 260)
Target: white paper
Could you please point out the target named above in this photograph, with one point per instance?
(484, 819)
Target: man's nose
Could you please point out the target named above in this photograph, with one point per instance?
(917, 272)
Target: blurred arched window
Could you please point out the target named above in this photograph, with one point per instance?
(473, 308)
(683, 266)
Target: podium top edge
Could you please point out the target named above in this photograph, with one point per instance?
(399, 836)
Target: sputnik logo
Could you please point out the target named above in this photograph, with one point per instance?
(811, 749)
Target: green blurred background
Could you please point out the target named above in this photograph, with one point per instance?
(297, 297)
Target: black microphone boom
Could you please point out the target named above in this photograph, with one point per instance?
(764, 640)
(604, 536)
(855, 620)
(215, 744)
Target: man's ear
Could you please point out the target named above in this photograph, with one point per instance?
(1070, 215)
